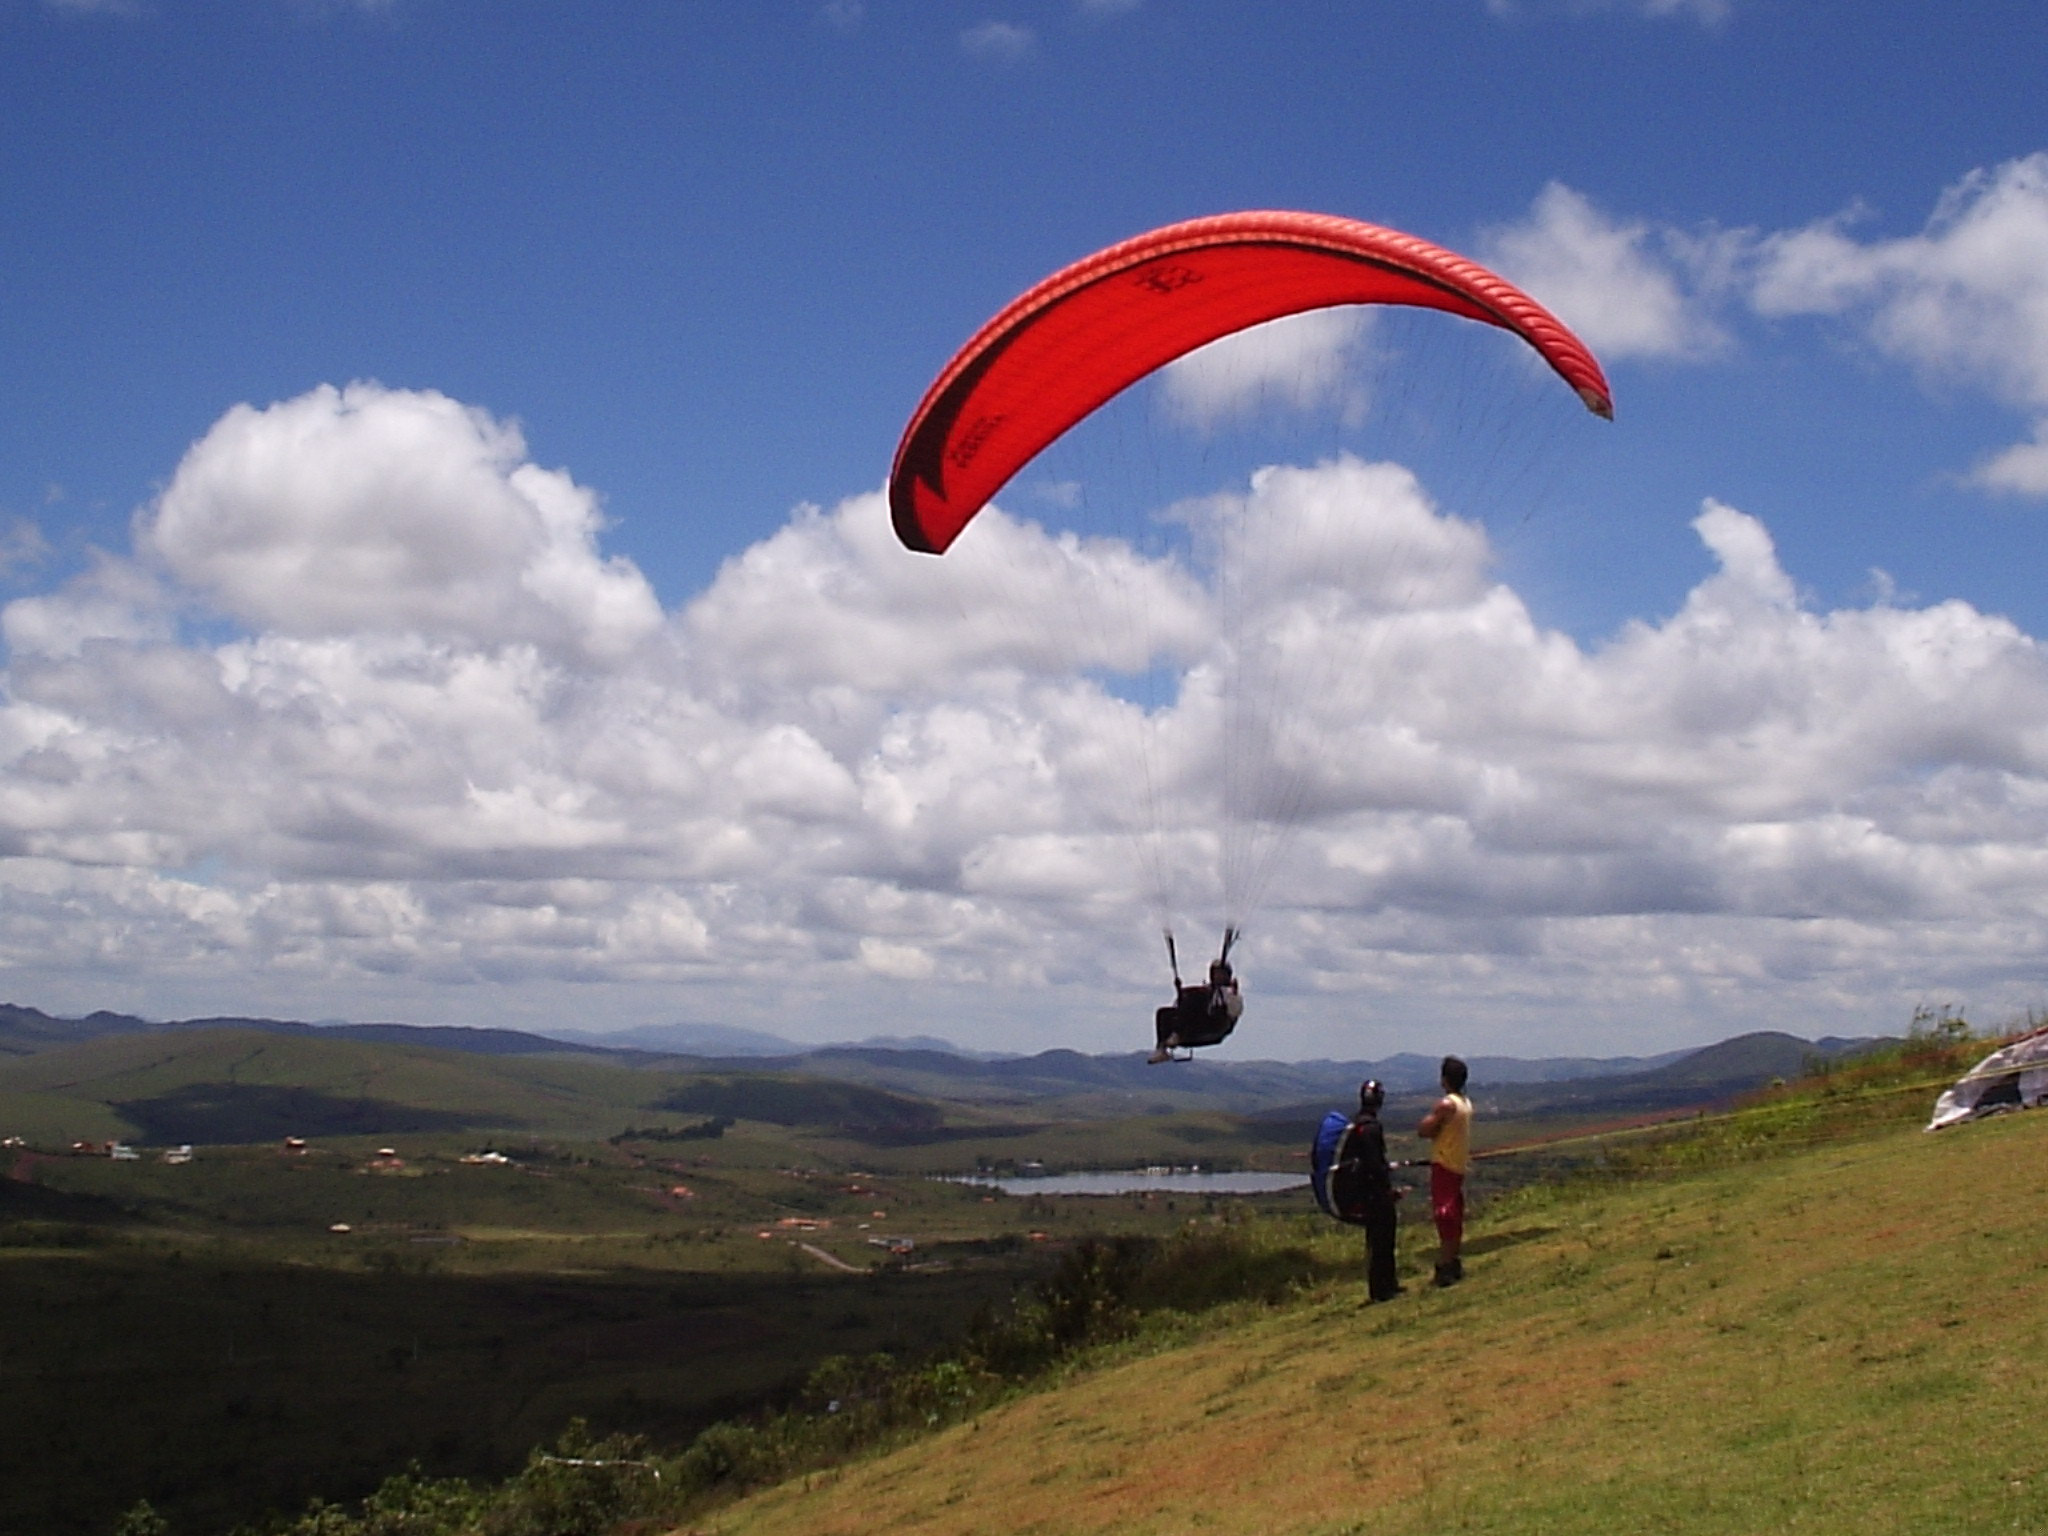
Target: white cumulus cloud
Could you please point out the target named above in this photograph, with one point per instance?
(1620, 284)
(1964, 300)
(1966, 297)
(1297, 363)
(367, 509)
(369, 723)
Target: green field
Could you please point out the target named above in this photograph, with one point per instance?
(197, 1334)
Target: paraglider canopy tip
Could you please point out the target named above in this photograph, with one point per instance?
(1599, 404)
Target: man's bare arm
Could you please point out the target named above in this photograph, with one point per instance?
(1436, 1119)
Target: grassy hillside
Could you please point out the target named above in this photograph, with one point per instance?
(1844, 1339)
(236, 1085)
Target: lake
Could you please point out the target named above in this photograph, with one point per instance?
(1138, 1181)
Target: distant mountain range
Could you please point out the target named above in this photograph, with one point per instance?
(24, 1031)
(725, 1040)
(1083, 1085)
(30, 1029)
(1403, 1072)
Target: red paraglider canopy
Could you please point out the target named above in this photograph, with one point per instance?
(1096, 327)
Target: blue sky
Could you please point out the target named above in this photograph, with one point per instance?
(706, 257)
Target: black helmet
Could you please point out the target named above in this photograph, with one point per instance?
(1370, 1094)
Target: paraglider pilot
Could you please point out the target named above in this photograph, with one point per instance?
(1364, 1183)
(1199, 1015)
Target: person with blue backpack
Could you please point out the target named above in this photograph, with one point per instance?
(1353, 1181)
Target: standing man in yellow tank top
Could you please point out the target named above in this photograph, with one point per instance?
(1448, 1130)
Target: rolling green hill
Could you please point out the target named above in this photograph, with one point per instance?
(239, 1085)
(24, 1031)
(1841, 1340)
(907, 1111)
(1061, 1084)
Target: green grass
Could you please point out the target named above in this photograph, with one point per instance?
(1837, 1336)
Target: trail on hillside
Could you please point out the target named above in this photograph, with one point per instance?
(831, 1259)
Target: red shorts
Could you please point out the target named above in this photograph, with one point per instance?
(1447, 1202)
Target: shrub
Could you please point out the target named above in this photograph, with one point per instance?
(729, 1455)
(142, 1520)
(584, 1487)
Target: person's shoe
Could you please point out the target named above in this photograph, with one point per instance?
(1448, 1274)
(1162, 1054)
(1399, 1290)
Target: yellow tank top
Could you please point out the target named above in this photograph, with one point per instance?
(1453, 1144)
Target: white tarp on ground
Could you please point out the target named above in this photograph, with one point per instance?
(2014, 1076)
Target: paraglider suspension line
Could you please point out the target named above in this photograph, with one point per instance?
(1230, 938)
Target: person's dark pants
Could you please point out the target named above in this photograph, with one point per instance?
(1381, 1283)
(1166, 1023)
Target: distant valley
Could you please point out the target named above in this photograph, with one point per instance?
(211, 1079)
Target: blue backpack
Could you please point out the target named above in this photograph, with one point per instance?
(1323, 1164)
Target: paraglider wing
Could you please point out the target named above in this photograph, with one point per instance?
(1095, 328)
(1324, 1155)
(2015, 1076)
